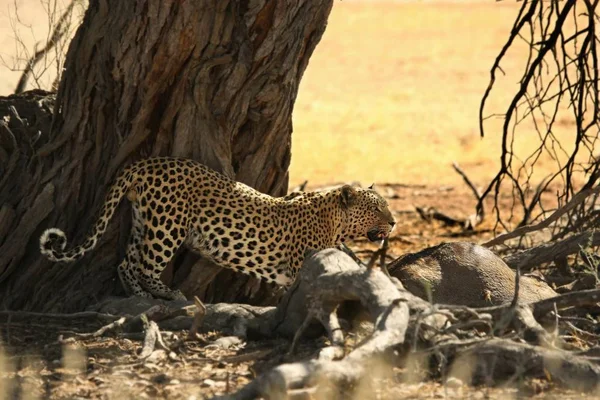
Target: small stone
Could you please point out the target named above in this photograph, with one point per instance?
(331, 353)
(208, 383)
(226, 342)
(454, 382)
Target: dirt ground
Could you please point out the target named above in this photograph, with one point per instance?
(35, 364)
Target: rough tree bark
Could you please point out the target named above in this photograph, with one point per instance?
(214, 80)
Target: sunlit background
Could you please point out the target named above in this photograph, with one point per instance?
(391, 93)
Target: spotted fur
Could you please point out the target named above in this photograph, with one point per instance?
(179, 201)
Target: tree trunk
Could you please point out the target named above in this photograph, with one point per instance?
(212, 80)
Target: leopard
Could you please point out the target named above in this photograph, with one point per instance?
(179, 202)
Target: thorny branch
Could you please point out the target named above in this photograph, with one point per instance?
(558, 89)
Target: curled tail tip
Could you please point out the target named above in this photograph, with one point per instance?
(53, 240)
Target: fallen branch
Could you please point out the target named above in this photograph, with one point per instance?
(329, 278)
(567, 300)
(548, 252)
(198, 316)
(113, 326)
(152, 338)
(402, 323)
(495, 359)
(523, 230)
(430, 213)
(58, 318)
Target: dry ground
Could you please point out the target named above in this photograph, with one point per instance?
(390, 95)
(36, 365)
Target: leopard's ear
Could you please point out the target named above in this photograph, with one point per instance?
(347, 196)
(372, 186)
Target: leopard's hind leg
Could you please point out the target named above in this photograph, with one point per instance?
(132, 259)
(156, 250)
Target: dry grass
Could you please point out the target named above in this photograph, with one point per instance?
(392, 93)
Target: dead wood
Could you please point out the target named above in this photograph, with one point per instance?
(231, 319)
(555, 250)
(429, 328)
(151, 339)
(82, 321)
(113, 326)
(524, 230)
(198, 316)
(328, 278)
(497, 359)
(567, 300)
(403, 324)
(431, 213)
(472, 220)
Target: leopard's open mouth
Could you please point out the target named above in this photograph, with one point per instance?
(375, 235)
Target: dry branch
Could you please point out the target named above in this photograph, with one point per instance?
(328, 278)
(551, 251)
(468, 223)
(327, 281)
(523, 230)
(567, 300)
(113, 326)
(151, 339)
(198, 316)
(561, 76)
(496, 359)
(472, 220)
(60, 29)
(430, 213)
(429, 327)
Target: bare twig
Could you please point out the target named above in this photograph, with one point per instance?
(556, 250)
(559, 86)
(523, 230)
(198, 316)
(152, 338)
(472, 221)
(113, 326)
(61, 28)
(468, 223)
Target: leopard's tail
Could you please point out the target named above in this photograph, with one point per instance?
(54, 241)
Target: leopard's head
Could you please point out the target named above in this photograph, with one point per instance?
(367, 213)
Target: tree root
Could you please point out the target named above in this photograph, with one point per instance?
(330, 286)
(330, 276)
